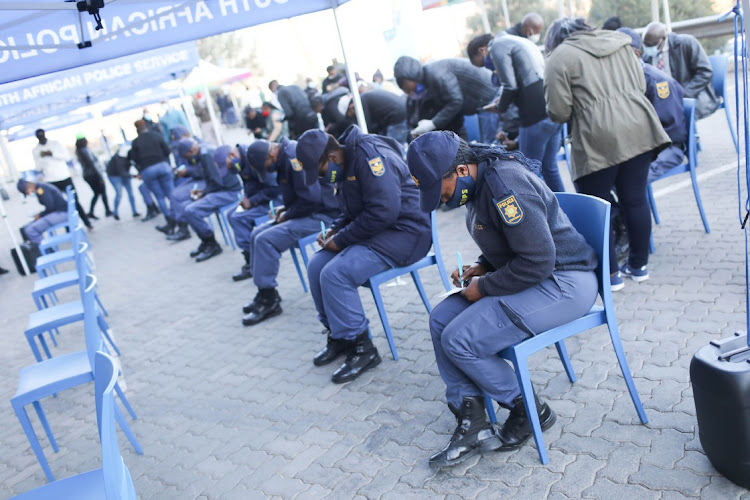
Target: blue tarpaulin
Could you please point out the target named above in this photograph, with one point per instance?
(36, 40)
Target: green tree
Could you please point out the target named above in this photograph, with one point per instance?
(228, 50)
(637, 13)
(516, 10)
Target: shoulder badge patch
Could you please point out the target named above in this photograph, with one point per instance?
(376, 167)
(296, 164)
(510, 210)
(39, 191)
(662, 89)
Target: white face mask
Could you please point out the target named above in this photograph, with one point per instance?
(535, 37)
(650, 52)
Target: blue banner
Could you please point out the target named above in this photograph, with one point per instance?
(38, 42)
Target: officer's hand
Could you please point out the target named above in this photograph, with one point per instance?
(245, 203)
(330, 244)
(423, 126)
(322, 239)
(280, 217)
(501, 136)
(471, 292)
(455, 276)
(180, 172)
(510, 145)
(476, 269)
(37, 216)
(196, 193)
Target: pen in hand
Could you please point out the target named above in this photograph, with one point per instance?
(461, 281)
(323, 230)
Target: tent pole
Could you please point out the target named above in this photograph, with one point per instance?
(353, 87)
(8, 158)
(505, 15)
(189, 110)
(483, 15)
(667, 16)
(655, 10)
(106, 144)
(13, 238)
(210, 106)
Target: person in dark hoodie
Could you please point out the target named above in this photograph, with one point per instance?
(297, 111)
(385, 113)
(441, 93)
(92, 175)
(381, 227)
(55, 209)
(327, 106)
(220, 170)
(592, 80)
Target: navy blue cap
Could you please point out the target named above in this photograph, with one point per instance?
(635, 38)
(257, 153)
(22, 185)
(310, 147)
(178, 132)
(430, 157)
(184, 145)
(220, 155)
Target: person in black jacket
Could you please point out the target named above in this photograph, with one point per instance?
(254, 121)
(531, 27)
(150, 153)
(381, 227)
(118, 172)
(385, 113)
(220, 170)
(93, 177)
(297, 110)
(442, 92)
(327, 105)
(55, 209)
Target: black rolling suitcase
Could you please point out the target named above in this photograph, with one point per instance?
(30, 253)
(720, 375)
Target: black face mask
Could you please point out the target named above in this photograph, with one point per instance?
(193, 160)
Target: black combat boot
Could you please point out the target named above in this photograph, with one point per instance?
(360, 357)
(246, 272)
(333, 349)
(517, 428)
(211, 249)
(473, 434)
(181, 233)
(167, 228)
(266, 305)
(250, 306)
(151, 212)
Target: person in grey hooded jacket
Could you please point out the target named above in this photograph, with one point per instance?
(441, 93)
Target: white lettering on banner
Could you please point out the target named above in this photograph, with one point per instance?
(223, 4)
(54, 39)
(202, 11)
(262, 4)
(169, 17)
(133, 18)
(10, 98)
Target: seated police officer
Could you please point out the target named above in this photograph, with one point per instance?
(222, 188)
(535, 273)
(55, 209)
(259, 190)
(303, 210)
(381, 227)
(187, 176)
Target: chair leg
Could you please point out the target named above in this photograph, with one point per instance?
(652, 203)
(443, 274)
(697, 194)
(490, 407)
(35, 349)
(44, 345)
(125, 402)
(53, 336)
(384, 319)
(101, 306)
(731, 127)
(104, 327)
(228, 228)
(527, 390)
(39, 301)
(45, 424)
(299, 269)
(651, 246)
(221, 228)
(562, 351)
(420, 289)
(614, 334)
(23, 418)
(126, 430)
(54, 299)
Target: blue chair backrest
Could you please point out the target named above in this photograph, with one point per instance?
(688, 108)
(117, 481)
(719, 65)
(590, 216)
(435, 240)
(90, 314)
(471, 124)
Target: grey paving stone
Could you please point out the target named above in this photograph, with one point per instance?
(682, 480)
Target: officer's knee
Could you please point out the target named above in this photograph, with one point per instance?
(454, 342)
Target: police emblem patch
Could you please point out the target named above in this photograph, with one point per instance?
(662, 89)
(376, 167)
(39, 191)
(510, 210)
(296, 164)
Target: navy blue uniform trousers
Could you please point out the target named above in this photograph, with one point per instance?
(467, 336)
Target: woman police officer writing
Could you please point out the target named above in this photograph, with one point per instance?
(535, 273)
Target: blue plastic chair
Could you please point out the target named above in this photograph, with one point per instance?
(223, 220)
(590, 216)
(52, 231)
(113, 480)
(301, 246)
(471, 124)
(52, 376)
(691, 156)
(719, 65)
(434, 258)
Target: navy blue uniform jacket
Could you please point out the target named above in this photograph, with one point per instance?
(218, 177)
(258, 190)
(301, 200)
(666, 93)
(51, 197)
(380, 201)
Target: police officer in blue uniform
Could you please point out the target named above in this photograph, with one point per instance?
(305, 206)
(259, 190)
(222, 188)
(535, 273)
(55, 209)
(187, 176)
(381, 227)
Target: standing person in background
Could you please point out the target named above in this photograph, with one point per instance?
(50, 158)
(171, 117)
(530, 27)
(118, 172)
(274, 129)
(254, 121)
(331, 81)
(92, 175)
(297, 111)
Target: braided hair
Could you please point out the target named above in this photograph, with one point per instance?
(478, 153)
(562, 29)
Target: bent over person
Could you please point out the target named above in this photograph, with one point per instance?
(535, 273)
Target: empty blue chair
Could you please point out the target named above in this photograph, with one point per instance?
(691, 163)
(432, 259)
(471, 124)
(113, 480)
(719, 64)
(52, 376)
(301, 246)
(590, 216)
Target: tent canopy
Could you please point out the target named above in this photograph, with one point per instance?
(141, 99)
(215, 76)
(51, 123)
(44, 36)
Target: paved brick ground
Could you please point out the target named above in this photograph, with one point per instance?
(232, 412)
